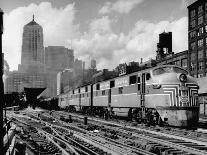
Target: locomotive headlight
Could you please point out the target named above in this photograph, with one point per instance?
(183, 78)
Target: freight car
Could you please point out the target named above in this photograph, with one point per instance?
(163, 94)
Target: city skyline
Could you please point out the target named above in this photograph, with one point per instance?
(112, 32)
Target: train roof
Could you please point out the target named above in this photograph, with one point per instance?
(130, 74)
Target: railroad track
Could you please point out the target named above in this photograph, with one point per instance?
(100, 141)
(163, 141)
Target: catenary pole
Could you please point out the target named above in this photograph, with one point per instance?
(1, 86)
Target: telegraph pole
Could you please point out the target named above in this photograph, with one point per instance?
(1, 87)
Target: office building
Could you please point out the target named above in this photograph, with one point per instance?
(58, 58)
(32, 56)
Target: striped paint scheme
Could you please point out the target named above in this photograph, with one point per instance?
(173, 91)
(192, 93)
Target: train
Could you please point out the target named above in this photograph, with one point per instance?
(164, 94)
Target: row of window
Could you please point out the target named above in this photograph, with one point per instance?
(200, 10)
(200, 44)
(200, 21)
(198, 33)
(199, 75)
(201, 55)
(200, 67)
(183, 63)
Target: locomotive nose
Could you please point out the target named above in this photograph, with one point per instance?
(182, 77)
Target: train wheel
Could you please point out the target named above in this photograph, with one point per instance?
(106, 114)
(130, 115)
(159, 121)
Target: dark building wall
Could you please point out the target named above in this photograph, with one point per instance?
(58, 57)
(197, 38)
(180, 59)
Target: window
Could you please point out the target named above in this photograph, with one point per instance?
(78, 90)
(200, 43)
(206, 27)
(98, 86)
(192, 13)
(132, 79)
(193, 56)
(184, 63)
(200, 31)
(200, 9)
(200, 66)
(112, 84)
(200, 54)
(192, 34)
(192, 23)
(206, 54)
(206, 41)
(103, 92)
(206, 17)
(148, 76)
(177, 62)
(120, 90)
(192, 45)
(200, 20)
(86, 89)
(193, 66)
(201, 75)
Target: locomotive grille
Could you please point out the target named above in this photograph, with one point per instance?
(187, 97)
(193, 94)
(172, 91)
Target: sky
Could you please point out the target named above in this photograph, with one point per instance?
(109, 31)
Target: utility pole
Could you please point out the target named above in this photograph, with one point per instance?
(1, 87)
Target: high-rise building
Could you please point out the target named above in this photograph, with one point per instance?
(78, 66)
(32, 56)
(32, 43)
(58, 58)
(197, 38)
(93, 64)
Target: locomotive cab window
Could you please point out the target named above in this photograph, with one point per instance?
(120, 90)
(103, 92)
(98, 86)
(148, 76)
(169, 69)
(132, 79)
(179, 70)
(112, 84)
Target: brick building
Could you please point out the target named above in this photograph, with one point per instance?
(197, 38)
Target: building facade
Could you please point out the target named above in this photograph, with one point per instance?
(32, 55)
(179, 59)
(17, 81)
(197, 38)
(58, 58)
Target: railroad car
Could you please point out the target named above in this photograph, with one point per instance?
(163, 94)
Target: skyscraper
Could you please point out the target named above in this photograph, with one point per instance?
(32, 45)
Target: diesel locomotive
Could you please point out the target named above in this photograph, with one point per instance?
(161, 95)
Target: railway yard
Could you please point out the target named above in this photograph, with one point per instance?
(59, 132)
